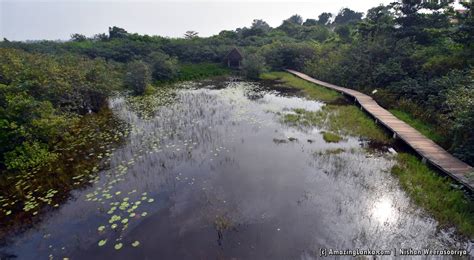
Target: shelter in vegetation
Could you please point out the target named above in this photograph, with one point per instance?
(234, 59)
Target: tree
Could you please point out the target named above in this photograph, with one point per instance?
(413, 22)
(310, 22)
(163, 67)
(260, 27)
(295, 19)
(292, 25)
(379, 20)
(253, 65)
(76, 37)
(100, 37)
(191, 34)
(324, 18)
(464, 33)
(138, 76)
(117, 33)
(344, 32)
(346, 16)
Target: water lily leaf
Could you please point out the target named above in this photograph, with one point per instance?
(102, 242)
(118, 246)
(136, 243)
(101, 228)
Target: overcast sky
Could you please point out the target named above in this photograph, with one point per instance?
(58, 19)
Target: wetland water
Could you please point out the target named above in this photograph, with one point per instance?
(215, 174)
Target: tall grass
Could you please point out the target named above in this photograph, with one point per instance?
(193, 71)
(312, 90)
(435, 193)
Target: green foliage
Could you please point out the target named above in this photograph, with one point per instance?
(40, 97)
(138, 76)
(460, 100)
(191, 71)
(312, 90)
(29, 155)
(163, 67)
(324, 18)
(331, 137)
(435, 193)
(346, 16)
(253, 65)
(117, 32)
(344, 120)
(293, 55)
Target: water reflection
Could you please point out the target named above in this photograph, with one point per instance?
(203, 178)
(383, 211)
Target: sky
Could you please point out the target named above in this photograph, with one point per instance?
(57, 19)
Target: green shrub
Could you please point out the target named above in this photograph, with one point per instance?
(253, 65)
(29, 155)
(138, 76)
(163, 67)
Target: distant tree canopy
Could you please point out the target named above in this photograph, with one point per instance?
(117, 33)
(191, 34)
(324, 18)
(295, 19)
(78, 37)
(346, 16)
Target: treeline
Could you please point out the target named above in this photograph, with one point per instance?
(418, 55)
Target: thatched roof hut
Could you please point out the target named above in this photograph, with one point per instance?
(234, 58)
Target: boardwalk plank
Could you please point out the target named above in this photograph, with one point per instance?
(433, 153)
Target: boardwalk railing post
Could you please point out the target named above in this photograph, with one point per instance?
(394, 135)
(423, 160)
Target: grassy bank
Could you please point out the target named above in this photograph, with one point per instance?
(310, 89)
(435, 194)
(195, 71)
(424, 128)
(341, 119)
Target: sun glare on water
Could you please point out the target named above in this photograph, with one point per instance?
(383, 211)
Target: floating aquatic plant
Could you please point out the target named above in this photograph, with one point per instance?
(102, 242)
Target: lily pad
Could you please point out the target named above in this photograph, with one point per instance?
(102, 242)
(118, 246)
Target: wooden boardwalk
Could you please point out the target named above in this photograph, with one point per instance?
(426, 148)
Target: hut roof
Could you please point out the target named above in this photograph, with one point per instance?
(234, 54)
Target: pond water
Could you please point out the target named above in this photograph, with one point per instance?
(216, 174)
